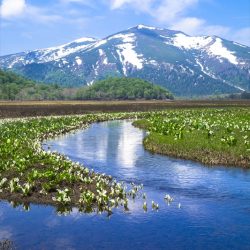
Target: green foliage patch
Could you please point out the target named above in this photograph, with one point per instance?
(211, 136)
(15, 87)
(30, 174)
(123, 89)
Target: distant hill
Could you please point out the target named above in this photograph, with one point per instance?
(186, 65)
(123, 89)
(15, 87)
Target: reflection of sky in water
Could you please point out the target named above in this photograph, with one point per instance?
(5, 233)
(215, 202)
(128, 145)
(116, 148)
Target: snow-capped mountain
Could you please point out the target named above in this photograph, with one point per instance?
(186, 65)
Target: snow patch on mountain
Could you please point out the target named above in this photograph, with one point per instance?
(203, 69)
(78, 60)
(241, 45)
(90, 83)
(55, 53)
(128, 55)
(97, 44)
(188, 42)
(217, 49)
(103, 56)
(126, 52)
(141, 26)
(153, 62)
(105, 61)
(213, 46)
(85, 39)
(101, 52)
(126, 38)
(16, 60)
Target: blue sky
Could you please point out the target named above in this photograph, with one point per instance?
(32, 24)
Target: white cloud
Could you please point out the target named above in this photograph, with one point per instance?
(73, 1)
(163, 10)
(174, 15)
(169, 10)
(190, 25)
(12, 8)
(136, 4)
(242, 36)
(167, 13)
(116, 4)
(217, 30)
(40, 15)
(88, 3)
(198, 26)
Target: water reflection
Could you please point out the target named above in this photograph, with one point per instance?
(121, 152)
(215, 202)
(5, 233)
(128, 145)
(111, 145)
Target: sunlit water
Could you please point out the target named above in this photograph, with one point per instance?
(214, 202)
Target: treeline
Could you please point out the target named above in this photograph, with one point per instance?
(16, 87)
(123, 89)
(244, 95)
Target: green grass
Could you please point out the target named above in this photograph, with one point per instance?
(210, 136)
(29, 174)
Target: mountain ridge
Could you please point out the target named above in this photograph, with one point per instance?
(186, 65)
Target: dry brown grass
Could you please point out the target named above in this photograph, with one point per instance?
(11, 109)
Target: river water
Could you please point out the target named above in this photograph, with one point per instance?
(211, 207)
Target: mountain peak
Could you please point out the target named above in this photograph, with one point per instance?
(145, 27)
(84, 39)
(142, 26)
(187, 65)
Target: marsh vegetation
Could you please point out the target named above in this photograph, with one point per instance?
(210, 136)
(30, 174)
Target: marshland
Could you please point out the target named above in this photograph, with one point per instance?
(99, 171)
(124, 125)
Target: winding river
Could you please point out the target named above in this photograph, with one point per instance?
(211, 207)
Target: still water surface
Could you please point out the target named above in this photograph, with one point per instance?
(214, 202)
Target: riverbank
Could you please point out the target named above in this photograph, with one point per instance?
(209, 136)
(211, 200)
(29, 174)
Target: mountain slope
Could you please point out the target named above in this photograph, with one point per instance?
(184, 64)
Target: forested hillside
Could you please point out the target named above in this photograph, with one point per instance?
(123, 89)
(15, 87)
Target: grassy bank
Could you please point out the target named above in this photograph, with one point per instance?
(29, 174)
(210, 136)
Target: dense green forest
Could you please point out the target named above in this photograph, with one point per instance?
(123, 89)
(244, 95)
(15, 87)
